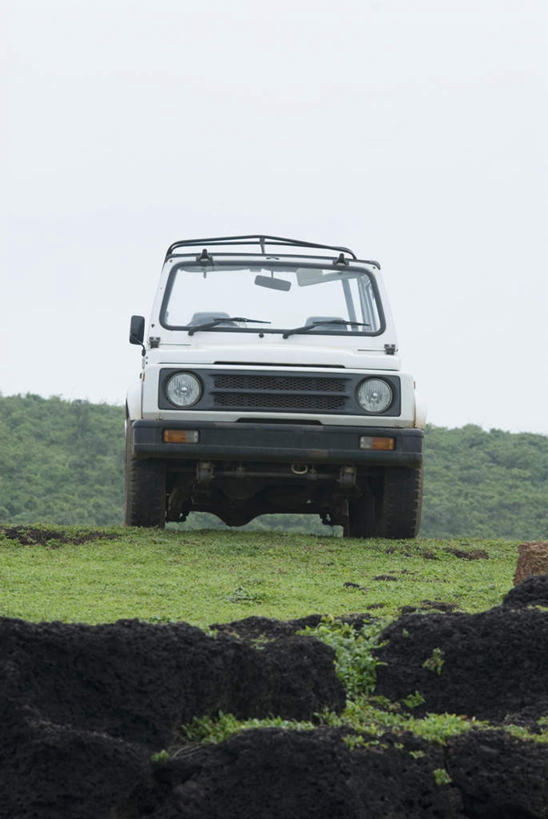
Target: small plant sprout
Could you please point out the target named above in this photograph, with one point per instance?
(417, 754)
(441, 777)
(435, 662)
(413, 700)
(243, 595)
(354, 741)
(160, 757)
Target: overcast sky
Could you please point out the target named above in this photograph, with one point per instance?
(414, 132)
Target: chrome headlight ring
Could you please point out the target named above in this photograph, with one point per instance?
(183, 389)
(375, 395)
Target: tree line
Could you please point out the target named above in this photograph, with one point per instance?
(63, 462)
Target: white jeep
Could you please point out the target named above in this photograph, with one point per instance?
(270, 382)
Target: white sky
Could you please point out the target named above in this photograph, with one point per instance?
(413, 132)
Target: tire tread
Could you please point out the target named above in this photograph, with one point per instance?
(402, 503)
(145, 489)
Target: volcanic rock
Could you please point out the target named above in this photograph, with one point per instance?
(499, 776)
(274, 774)
(532, 592)
(483, 665)
(138, 682)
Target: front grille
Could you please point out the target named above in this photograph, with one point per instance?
(243, 400)
(312, 393)
(286, 383)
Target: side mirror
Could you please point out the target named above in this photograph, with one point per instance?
(137, 330)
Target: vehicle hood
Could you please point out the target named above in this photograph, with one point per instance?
(273, 354)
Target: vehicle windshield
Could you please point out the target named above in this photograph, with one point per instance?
(306, 299)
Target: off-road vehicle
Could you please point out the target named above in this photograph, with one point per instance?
(271, 382)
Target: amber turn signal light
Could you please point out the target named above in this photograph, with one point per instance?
(181, 436)
(382, 444)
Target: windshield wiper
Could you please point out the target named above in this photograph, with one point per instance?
(208, 325)
(308, 327)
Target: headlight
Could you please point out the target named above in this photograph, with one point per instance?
(183, 389)
(375, 395)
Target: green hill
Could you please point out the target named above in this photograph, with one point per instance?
(62, 462)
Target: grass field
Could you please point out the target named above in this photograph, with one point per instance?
(215, 576)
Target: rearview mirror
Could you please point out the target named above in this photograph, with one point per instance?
(136, 330)
(274, 284)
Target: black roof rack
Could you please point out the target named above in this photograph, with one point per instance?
(262, 241)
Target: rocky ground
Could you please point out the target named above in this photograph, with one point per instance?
(86, 709)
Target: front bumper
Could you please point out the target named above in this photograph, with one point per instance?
(285, 443)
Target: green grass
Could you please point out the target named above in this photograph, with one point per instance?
(366, 721)
(218, 576)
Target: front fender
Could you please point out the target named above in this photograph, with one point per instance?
(420, 413)
(134, 401)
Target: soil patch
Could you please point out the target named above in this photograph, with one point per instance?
(428, 605)
(532, 592)
(31, 536)
(483, 665)
(471, 554)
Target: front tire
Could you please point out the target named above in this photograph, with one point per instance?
(145, 488)
(400, 512)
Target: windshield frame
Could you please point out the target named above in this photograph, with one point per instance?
(264, 328)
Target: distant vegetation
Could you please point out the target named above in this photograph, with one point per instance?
(62, 462)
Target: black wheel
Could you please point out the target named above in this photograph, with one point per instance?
(400, 510)
(362, 516)
(145, 488)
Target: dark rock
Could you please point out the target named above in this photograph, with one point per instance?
(532, 592)
(493, 662)
(500, 777)
(138, 681)
(275, 774)
(83, 707)
(56, 771)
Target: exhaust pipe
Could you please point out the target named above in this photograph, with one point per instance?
(299, 469)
